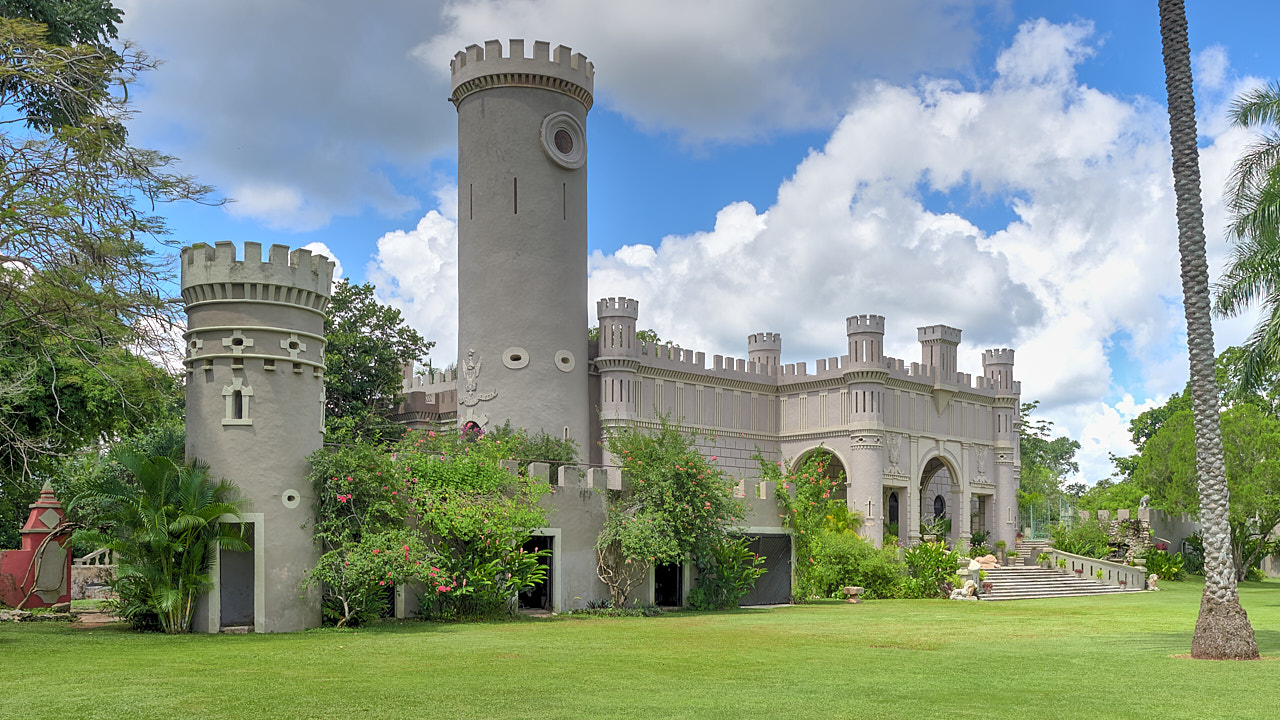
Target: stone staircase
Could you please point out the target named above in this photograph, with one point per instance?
(1027, 582)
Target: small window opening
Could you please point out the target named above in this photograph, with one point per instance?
(237, 405)
(293, 345)
(268, 364)
(471, 202)
(237, 341)
(564, 359)
(297, 367)
(515, 196)
(516, 357)
(564, 201)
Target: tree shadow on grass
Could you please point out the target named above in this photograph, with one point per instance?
(1180, 643)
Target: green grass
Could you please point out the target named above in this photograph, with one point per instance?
(1101, 657)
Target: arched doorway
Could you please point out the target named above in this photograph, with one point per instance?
(939, 501)
(826, 465)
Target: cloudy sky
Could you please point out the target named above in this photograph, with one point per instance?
(1001, 167)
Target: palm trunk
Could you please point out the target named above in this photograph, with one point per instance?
(1222, 630)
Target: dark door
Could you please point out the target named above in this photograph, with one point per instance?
(539, 596)
(235, 583)
(667, 581)
(774, 586)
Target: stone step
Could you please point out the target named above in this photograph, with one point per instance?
(1034, 582)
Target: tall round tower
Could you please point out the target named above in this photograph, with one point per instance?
(997, 367)
(522, 237)
(255, 411)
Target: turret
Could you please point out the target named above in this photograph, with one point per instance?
(938, 344)
(997, 367)
(255, 411)
(618, 359)
(765, 349)
(866, 340)
(522, 237)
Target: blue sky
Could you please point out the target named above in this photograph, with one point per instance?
(1000, 167)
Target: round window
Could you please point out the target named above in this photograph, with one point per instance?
(564, 140)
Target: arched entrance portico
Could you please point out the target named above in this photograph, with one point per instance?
(941, 500)
(829, 466)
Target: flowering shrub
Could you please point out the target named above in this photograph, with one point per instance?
(438, 509)
(677, 504)
(818, 518)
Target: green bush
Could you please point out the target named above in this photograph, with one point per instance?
(1161, 562)
(1088, 539)
(837, 560)
(934, 566)
(725, 576)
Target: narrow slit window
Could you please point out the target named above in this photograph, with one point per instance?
(564, 201)
(515, 196)
(471, 202)
(237, 405)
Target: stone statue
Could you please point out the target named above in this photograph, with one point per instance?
(1142, 504)
(1151, 581)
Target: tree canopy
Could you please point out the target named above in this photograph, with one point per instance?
(85, 294)
(368, 344)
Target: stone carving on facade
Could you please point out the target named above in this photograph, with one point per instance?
(893, 443)
(981, 453)
(471, 381)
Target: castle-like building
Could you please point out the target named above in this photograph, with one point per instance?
(916, 440)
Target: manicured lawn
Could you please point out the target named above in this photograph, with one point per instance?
(1099, 657)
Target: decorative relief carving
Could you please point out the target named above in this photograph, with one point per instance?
(293, 346)
(893, 443)
(981, 454)
(471, 382)
(237, 342)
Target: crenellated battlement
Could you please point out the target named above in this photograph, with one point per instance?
(864, 324)
(1001, 356)
(765, 341)
(562, 70)
(939, 333)
(618, 307)
(219, 266)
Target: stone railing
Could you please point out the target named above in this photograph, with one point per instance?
(1132, 577)
(91, 573)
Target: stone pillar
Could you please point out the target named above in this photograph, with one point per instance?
(255, 411)
(913, 495)
(1006, 499)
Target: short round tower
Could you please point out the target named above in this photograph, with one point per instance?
(618, 358)
(765, 349)
(522, 237)
(255, 411)
(866, 340)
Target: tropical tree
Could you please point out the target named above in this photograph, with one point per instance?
(1222, 629)
(84, 294)
(1166, 472)
(367, 345)
(1253, 199)
(163, 523)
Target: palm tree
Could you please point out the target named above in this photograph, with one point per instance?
(1222, 630)
(1253, 198)
(164, 528)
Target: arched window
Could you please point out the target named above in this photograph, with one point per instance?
(939, 506)
(893, 507)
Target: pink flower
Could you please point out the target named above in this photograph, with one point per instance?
(713, 457)
(342, 498)
(375, 551)
(442, 588)
(382, 582)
